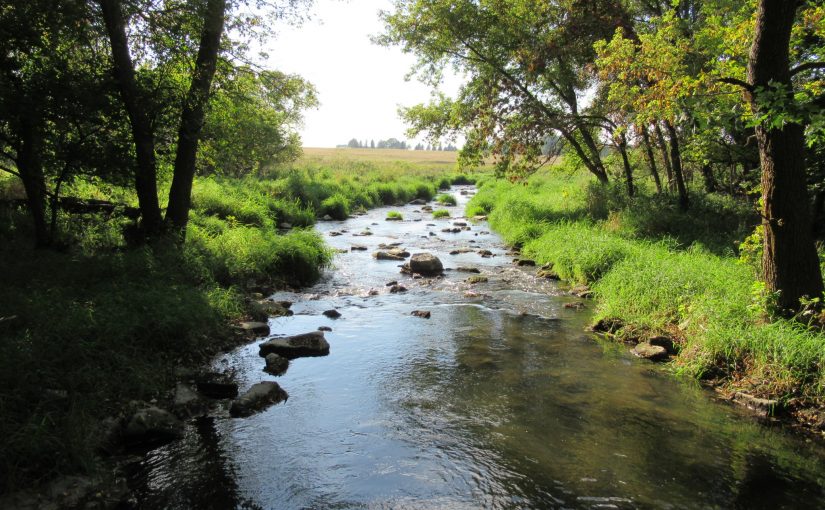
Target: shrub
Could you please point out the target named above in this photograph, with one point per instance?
(446, 199)
(337, 206)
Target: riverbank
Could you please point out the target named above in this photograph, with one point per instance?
(656, 272)
(91, 326)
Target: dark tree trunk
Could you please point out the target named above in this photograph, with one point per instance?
(142, 132)
(191, 121)
(593, 150)
(600, 173)
(651, 159)
(30, 166)
(660, 137)
(676, 161)
(628, 170)
(708, 178)
(790, 264)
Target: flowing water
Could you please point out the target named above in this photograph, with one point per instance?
(499, 400)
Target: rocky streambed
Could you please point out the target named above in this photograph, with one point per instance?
(434, 368)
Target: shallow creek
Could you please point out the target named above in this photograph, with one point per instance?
(499, 400)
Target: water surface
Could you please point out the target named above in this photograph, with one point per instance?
(499, 400)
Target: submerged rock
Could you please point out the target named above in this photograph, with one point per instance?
(464, 269)
(332, 314)
(426, 264)
(395, 289)
(324, 328)
(275, 364)
(358, 247)
(485, 253)
(525, 263)
(477, 279)
(763, 406)
(257, 398)
(291, 347)
(424, 314)
(217, 386)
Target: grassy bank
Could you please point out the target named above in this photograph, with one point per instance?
(97, 323)
(663, 272)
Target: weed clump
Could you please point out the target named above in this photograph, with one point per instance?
(441, 213)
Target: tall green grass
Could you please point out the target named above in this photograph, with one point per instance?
(662, 271)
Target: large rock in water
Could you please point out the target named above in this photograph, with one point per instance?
(259, 397)
(426, 264)
(291, 347)
(151, 426)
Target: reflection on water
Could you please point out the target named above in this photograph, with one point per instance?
(498, 401)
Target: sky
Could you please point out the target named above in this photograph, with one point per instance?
(360, 84)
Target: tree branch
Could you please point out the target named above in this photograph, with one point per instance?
(739, 83)
(807, 66)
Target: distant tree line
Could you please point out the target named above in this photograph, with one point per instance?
(394, 143)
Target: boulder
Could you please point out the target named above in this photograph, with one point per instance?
(256, 328)
(548, 273)
(525, 263)
(665, 342)
(395, 289)
(385, 255)
(291, 347)
(480, 217)
(332, 314)
(651, 352)
(151, 426)
(426, 264)
(259, 397)
(262, 310)
(460, 223)
(275, 364)
(485, 253)
(424, 314)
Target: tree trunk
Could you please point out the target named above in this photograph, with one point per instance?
(709, 179)
(30, 166)
(593, 149)
(790, 264)
(660, 137)
(142, 132)
(651, 159)
(628, 170)
(676, 161)
(600, 173)
(191, 121)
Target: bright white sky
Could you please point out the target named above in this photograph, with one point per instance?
(360, 85)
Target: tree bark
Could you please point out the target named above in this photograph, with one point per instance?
(790, 264)
(676, 161)
(651, 159)
(191, 121)
(660, 137)
(628, 170)
(708, 178)
(142, 131)
(30, 166)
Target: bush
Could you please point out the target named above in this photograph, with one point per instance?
(446, 199)
(337, 206)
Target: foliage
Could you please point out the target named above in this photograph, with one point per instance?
(394, 215)
(659, 276)
(446, 199)
(441, 213)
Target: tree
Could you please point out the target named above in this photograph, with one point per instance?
(527, 66)
(790, 264)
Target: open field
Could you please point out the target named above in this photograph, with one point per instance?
(443, 159)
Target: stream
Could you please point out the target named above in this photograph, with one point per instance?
(500, 399)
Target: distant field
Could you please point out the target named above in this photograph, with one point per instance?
(442, 159)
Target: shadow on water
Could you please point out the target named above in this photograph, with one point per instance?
(499, 400)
